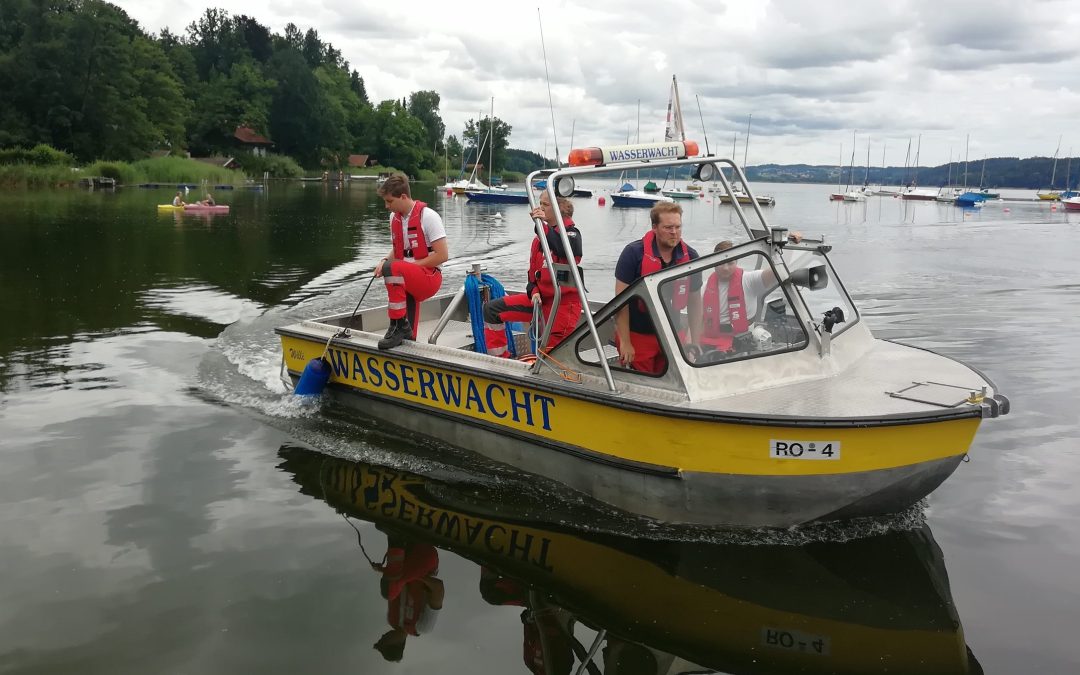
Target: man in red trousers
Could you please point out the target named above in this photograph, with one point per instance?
(411, 271)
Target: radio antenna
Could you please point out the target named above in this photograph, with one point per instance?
(551, 106)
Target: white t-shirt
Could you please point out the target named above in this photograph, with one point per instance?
(430, 221)
(753, 288)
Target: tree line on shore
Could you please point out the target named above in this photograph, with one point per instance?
(82, 77)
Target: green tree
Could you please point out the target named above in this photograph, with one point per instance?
(453, 150)
(295, 113)
(424, 106)
(399, 139)
(356, 83)
(488, 127)
(224, 102)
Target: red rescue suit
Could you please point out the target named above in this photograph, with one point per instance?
(720, 335)
(648, 356)
(518, 307)
(408, 596)
(408, 284)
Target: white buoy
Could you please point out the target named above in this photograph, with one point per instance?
(497, 216)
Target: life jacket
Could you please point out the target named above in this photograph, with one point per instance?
(408, 599)
(651, 263)
(417, 243)
(539, 271)
(715, 335)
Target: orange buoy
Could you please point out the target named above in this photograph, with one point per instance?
(1006, 209)
(601, 201)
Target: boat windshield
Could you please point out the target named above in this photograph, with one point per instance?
(827, 298)
(718, 321)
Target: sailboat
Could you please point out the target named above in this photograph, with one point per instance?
(627, 194)
(1069, 193)
(675, 131)
(838, 196)
(473, 182)
(493, 194)
(851, 195)
(739, 192)
(1051, 195)
(915, 192)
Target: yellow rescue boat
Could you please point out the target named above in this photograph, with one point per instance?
(805, 416)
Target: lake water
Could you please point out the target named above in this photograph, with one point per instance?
(168, 508)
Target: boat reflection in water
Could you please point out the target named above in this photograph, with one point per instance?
(619, 604)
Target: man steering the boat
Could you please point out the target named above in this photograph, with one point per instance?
(519, 307)
(411, 271)
(729, 291)
(660, 248)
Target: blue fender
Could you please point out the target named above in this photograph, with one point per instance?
(314, 378)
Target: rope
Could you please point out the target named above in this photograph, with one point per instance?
(536, 331)
(359, 541)
(476, 310)
(536, 326)
(344, 332)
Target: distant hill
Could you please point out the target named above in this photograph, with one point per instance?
(1033, 173)
(525, 161)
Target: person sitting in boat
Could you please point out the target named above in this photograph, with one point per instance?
(546, 628)
(413, 593)
(411, 271)
(729, 291)
(660, 248)
(178, 200)
(519, 307)
(209, 201)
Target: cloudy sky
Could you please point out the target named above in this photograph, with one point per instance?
(809, 73)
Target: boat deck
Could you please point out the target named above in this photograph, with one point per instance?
(890, 379)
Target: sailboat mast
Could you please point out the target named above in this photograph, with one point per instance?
(1053, 174)
(1068, 170)
(883, 146)
(491, 149)
(851, 171)
(866, 176)
(746, 148)
(918, 151)
(967, 152)
(840, 168)
(907, 159)
(678, 109)
(704, 133)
